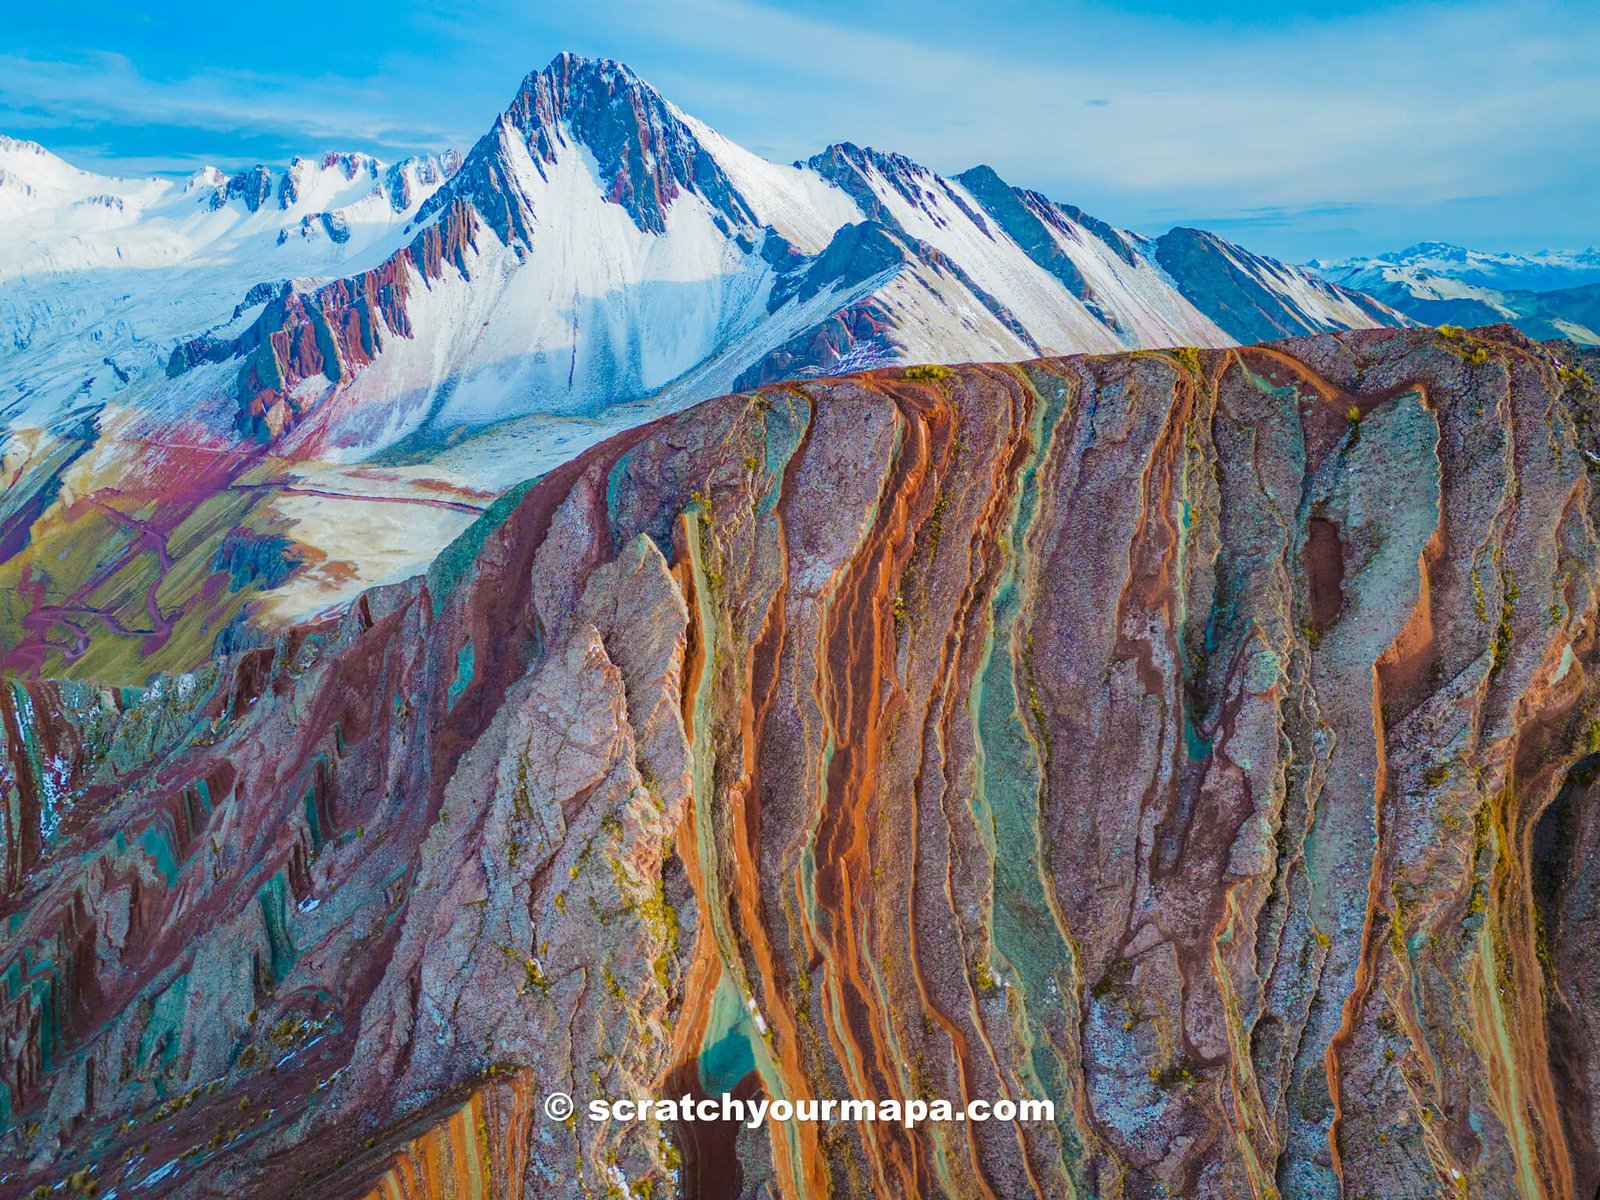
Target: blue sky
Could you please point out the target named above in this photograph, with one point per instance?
(1298, 128)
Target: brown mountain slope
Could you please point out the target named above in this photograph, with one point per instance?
(1200, 741)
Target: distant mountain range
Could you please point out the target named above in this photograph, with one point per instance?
(326, 369)
(1552, 294)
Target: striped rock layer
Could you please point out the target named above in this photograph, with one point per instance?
(1201, 741)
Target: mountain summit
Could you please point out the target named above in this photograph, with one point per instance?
(599, 246)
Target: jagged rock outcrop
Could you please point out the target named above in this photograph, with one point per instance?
(331, 331)
(1201, 740)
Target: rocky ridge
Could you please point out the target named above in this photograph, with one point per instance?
(1203, 740)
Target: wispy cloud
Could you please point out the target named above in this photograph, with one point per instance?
(1415, 102)
(45, 94)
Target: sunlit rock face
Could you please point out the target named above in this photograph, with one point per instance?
(1202, 741)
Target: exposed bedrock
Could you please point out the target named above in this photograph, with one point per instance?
(1205, 742)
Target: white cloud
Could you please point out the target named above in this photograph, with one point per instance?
(108, 86)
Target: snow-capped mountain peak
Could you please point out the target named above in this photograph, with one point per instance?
(645, 152)
(33, 179)
(597, 245)
(1433, 251)
(596, 258)
(207, 178)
